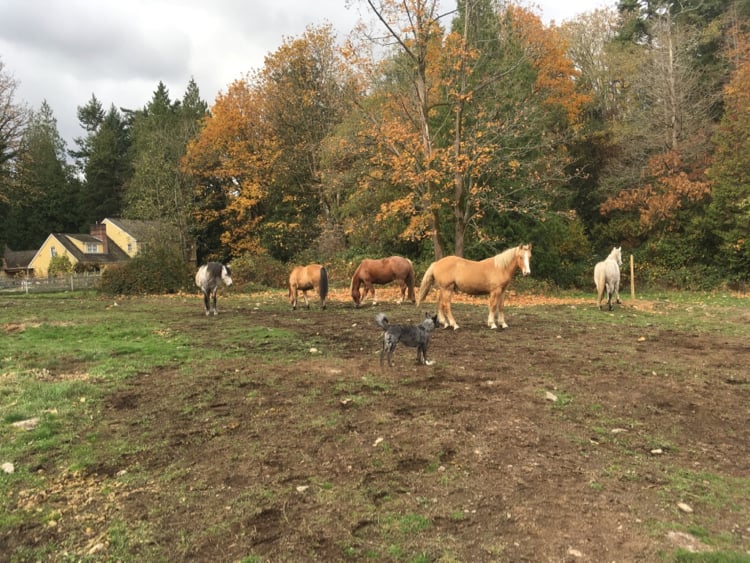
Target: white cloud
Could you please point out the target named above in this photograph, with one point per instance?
(66, 50)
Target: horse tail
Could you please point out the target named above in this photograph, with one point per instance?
(199, 276)
(426, 285)
(323, 283)
(599, 281)
(410, 281)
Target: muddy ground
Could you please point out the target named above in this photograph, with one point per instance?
(567, 437)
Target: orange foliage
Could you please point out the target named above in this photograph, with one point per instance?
(231, 155)
(546, 50)
(658, 201)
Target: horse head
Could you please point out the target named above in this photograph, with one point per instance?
(226, 275)
(616, 255)
(524, 257)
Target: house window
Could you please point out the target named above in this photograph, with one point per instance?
(92, 248)
(130, 248)
(53, 251)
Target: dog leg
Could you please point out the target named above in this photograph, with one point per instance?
(390, 356)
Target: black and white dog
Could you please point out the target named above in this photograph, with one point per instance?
(416, 336)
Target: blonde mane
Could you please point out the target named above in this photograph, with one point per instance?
(505, 258)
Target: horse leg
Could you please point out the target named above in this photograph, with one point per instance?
(402, 287)
(304, 294)
(447, 303)
(599, 296)
(207, 301)
(492, 315)
(213, 299)
(500, 313)
(617, 292)
(369, 288)
(440, 313)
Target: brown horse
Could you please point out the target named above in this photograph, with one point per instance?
(491, 275)
(305, 278)
(384, 270)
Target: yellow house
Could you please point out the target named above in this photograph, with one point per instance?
(84, 252)
(112, 241)
(132, 235)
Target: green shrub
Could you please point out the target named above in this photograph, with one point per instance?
(157, 270)
(60, 265)
(260, 270)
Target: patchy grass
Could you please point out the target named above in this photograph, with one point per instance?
(283, 433)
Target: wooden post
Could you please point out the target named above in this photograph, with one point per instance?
(632, 278)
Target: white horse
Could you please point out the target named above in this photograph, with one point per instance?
(607, 276)
(209, 278)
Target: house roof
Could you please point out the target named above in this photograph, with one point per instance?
(142, 230)
(115, 254)
(17, 259)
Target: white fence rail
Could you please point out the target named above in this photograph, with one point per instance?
(75, 282)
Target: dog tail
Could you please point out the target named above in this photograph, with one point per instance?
(426, 285)
(382, 321)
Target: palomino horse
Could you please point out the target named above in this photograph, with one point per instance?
(209, 278)
(384, 270)
(607, 277)
(305, 278)
(491, 275)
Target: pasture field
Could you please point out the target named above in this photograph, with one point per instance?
(138, 429)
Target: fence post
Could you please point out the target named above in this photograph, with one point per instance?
(632, 278)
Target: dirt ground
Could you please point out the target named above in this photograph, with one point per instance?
(555, 440)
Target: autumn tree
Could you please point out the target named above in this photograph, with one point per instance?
(306, 91)
(662, 134)
(13, 119)
(470, 125)
(230, 162)
(257, 162)
(398, 110)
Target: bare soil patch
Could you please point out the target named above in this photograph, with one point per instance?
(555, 440)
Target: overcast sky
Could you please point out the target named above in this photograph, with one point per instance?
(63, 51)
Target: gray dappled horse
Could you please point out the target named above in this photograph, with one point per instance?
(209, 278)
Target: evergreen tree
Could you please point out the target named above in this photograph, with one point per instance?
(103, 161)
(729, 212)
(45, 200)
(158, 189)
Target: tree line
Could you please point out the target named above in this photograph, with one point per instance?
(426, 134)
